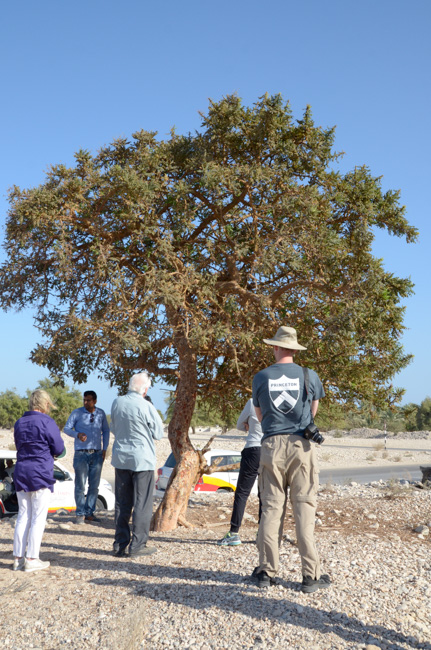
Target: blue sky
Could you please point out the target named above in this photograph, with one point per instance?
(77, 75)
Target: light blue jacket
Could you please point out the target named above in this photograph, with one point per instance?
(135, 424)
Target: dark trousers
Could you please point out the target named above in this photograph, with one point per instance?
(133, 492)
(248, 469)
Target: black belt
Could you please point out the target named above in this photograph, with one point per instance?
(90, 451)
(282, 433)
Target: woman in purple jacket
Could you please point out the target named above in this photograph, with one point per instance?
(37, 440)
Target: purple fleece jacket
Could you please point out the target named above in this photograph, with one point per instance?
(37, 440)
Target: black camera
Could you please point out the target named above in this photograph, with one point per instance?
(312, 433)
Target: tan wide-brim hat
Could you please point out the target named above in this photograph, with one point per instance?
(285, 338)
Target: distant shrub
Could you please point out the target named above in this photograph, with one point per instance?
(12, 407)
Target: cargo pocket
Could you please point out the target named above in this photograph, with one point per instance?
(305, 481)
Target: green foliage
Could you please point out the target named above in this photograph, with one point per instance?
(66, 399)
(181, 255)
(331, 416)
(203, 415)
(423, 415)
(12, 406)
(353, 416)
(410, 416)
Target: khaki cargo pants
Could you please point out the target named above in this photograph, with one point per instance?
(288, 461)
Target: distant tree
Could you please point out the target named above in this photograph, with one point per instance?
(66, 399)
(410, 412)
(332, 416)
(12, 407)
(180, 255)
(423, 415)
(366, 414)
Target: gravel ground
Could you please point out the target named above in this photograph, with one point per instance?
(195, 594)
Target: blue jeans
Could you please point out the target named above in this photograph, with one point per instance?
(87, 466)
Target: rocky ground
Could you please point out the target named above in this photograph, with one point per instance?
(373, 540)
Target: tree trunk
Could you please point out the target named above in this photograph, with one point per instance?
(189, 462)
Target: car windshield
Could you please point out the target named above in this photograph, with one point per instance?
(226, 460)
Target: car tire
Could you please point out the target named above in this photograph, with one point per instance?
(223, 489)
(100, 504)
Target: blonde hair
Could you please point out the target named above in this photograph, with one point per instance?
(40, 400)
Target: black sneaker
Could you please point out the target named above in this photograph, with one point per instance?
(309, 585)
(92, 518)
(119, 552)
(262, 579)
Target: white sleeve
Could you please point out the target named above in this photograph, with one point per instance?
(243, 418)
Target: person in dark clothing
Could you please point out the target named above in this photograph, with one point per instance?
(248, 469)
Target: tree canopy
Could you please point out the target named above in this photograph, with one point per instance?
(179, 256)
(194, 248)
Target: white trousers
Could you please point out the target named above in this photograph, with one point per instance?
(33, 510)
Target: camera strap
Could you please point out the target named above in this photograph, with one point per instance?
(307, 390)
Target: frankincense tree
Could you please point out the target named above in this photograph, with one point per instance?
(180, 255)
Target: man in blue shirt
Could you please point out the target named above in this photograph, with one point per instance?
(89, 426)
(135, 425)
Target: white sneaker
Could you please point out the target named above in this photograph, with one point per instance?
(35, 565)
(18, 564)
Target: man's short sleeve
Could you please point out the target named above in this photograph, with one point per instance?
(316, 386)
(255, 386)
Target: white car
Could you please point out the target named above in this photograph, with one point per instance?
(224, 481)
(63, 497)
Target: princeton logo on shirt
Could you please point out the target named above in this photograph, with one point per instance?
(284, 393)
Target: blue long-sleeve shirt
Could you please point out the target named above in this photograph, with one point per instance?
(94, 425)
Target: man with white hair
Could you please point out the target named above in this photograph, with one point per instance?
(135, 424)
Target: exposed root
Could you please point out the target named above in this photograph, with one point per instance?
(182, 521)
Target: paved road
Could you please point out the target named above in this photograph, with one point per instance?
(368, 474)
(359, 475)
(390, 447)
